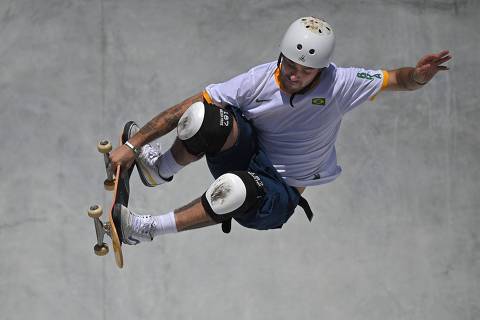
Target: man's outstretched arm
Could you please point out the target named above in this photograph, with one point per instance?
(408, 78)
(155, 128)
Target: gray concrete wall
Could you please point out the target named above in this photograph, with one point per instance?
(397, 236)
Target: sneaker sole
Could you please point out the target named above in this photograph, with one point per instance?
(126, 130)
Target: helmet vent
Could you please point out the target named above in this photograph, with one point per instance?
(311, 51)
(299, 46)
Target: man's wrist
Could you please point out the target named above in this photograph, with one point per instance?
(416, 81)
(133, 148)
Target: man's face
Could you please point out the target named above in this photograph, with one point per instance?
(295, 77)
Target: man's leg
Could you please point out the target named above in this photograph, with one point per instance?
(229, 196)
(183, 157)
(200, 130)
(192, 216)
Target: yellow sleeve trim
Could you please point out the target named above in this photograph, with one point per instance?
(207, 97)
(385, 80)
(384, 84)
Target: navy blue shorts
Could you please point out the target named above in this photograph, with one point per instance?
(280, 199)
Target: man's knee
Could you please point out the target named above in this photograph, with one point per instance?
(204, 128)
(233, 194)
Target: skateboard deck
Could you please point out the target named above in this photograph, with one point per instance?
(116, 243)
(118, 182)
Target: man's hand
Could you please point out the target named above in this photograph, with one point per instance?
(408, 78)
(123, 156)
(428, 66)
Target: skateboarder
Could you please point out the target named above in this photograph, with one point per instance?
(266, 134)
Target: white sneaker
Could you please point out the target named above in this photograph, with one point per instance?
(146, 161)
(134, 228)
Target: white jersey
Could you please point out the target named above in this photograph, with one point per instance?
(299, 140)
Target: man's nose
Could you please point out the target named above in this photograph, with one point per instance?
(294, 75)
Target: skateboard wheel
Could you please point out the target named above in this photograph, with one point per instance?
(100, 250)
(95, 211)
(104, 146)
(109, 185)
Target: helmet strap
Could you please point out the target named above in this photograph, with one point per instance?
(279, 60)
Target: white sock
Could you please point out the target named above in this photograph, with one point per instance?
(167, 166)
(165, 223)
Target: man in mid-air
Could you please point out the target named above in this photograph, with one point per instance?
(266, 134)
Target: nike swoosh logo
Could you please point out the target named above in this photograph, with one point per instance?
(135, 241)
(262, 100)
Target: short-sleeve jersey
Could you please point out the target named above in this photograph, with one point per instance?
(299, 140)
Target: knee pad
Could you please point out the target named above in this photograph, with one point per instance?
(233, 194)
(204, 128)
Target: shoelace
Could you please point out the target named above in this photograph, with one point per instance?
(143, 225)
(151, 154)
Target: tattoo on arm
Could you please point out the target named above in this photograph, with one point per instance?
(167, 120)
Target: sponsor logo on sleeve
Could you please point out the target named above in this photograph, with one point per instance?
(319, 101)
(368, 76)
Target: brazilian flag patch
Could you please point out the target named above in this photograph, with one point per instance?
(319, 101)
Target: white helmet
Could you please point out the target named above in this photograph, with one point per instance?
(309, 41)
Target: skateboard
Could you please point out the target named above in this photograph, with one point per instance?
(117, 181)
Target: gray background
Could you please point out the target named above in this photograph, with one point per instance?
(397, 236)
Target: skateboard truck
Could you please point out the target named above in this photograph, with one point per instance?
(101, 248)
